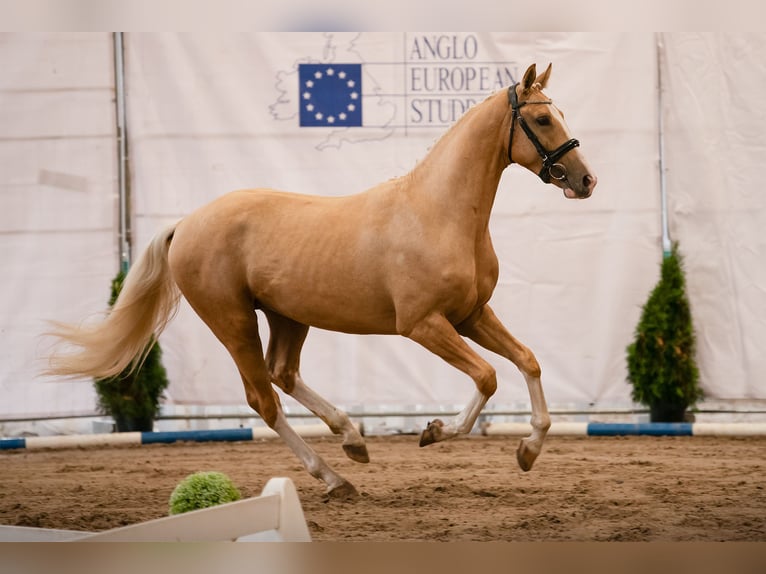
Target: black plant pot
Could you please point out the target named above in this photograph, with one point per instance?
(134, 424)
(667, 413)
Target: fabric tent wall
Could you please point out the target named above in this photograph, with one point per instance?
(212, 113)
(57, 206)
(716, 125)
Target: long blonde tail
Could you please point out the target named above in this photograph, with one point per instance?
(147, 302)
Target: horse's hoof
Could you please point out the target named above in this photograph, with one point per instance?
(345, 491)
(525, 456)
(432, 433)
(356, 452)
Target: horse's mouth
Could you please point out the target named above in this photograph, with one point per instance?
(570, 193)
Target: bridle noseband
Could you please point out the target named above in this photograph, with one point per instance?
(550, 169)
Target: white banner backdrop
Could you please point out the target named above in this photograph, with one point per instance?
(212, 113)
(209, 114)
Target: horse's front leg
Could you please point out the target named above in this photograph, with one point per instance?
(439, 336)
(485, 328)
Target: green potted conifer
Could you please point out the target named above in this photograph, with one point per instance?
(132, 399)
(661, 359)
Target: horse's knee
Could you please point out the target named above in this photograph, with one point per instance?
(486, 381)
(528, 364)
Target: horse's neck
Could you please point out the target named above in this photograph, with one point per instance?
(460, 174)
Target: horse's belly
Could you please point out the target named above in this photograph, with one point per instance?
(333, 293)
(341, 311)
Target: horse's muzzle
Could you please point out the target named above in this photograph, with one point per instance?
(583, 191)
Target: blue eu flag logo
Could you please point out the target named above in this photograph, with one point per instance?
(330, 95)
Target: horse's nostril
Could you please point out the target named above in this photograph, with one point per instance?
(588, 181)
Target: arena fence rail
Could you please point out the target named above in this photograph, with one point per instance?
(320, 430)
(124, 438)
(631, 429)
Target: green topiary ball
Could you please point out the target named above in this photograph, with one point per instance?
(201, 490)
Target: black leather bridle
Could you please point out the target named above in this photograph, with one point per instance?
(551, 169)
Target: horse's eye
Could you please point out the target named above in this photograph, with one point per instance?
(543, 121)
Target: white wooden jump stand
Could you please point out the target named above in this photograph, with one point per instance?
(274, 516)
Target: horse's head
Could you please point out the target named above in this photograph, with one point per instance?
(541, 141)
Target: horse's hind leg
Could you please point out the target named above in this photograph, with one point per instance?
(487, 330)
(283, 360)
(236, 326)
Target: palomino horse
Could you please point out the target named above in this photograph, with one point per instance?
(411, 256)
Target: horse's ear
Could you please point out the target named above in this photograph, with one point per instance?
(529, 77)
(542, 79)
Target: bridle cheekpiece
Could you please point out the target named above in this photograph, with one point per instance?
(551, 169)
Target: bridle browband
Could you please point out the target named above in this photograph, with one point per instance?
(550, 169)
